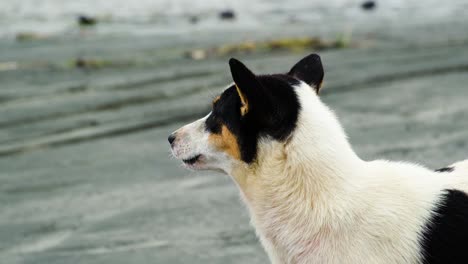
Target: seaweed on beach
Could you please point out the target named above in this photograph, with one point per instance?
(281, 44)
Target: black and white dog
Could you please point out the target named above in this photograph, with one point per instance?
(310, 197)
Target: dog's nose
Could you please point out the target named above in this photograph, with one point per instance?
(171, 138)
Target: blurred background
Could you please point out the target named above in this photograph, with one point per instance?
(90, 90)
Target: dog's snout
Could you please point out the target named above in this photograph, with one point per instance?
(171, 138)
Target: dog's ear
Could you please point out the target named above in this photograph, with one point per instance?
(247, 85)
(309, 70)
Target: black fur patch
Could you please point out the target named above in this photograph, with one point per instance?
(273, 112)
(446, 169)
(446, 238)
(309, 70)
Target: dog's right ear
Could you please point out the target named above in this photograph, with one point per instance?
(247, 86)
(309, 70)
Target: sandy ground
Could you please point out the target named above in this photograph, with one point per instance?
(85, 171)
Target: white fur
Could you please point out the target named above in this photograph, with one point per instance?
(460, 168)
(191, 140)
(313, 200)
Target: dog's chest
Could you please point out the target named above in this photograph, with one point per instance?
(297, 240)
(291, 239)
(294, 246)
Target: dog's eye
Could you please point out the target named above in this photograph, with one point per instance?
(212, 124)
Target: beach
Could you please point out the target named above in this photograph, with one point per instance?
(86, 174)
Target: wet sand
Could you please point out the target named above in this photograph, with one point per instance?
(86, 175)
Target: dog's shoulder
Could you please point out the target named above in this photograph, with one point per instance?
(460, 167)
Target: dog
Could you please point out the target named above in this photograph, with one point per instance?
(310, 197)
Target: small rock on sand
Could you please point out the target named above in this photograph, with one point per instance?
(227, 14)
(368, 5)
(84, 20)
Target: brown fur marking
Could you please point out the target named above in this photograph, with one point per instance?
(245, 104)
(319, 86)
(216, 99)
(227, 142)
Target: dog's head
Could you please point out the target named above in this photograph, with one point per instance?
(254, 110)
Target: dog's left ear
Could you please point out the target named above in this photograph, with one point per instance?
(249, 89)
(310, 71)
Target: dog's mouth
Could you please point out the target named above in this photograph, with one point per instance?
(192, 160)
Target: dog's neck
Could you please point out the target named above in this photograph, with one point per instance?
(317, 154)
(292, 185)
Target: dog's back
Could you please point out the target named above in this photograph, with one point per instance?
(460, 167)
